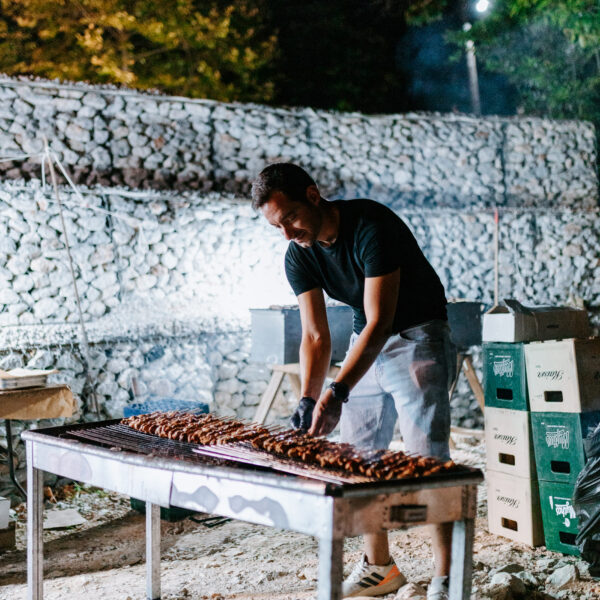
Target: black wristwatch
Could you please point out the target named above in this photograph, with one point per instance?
(340, 390)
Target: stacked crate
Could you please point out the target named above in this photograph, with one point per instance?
(564, 393)
(512, 487)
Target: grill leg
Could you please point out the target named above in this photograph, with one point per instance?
(35, 541)
(152, 551)
(331, 551)
(461, 567)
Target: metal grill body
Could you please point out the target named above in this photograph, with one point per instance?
(167, 473)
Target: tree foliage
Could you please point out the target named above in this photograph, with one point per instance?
(210, 49)
(548, 49)
(334, 54)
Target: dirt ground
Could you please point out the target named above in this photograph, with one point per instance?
(104, 558)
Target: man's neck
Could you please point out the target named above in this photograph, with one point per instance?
(330, 227)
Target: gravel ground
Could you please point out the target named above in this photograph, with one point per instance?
(104, 558)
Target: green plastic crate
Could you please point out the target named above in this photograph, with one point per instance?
(504, 376)
(558, 517)
(171, 513)
(558, 443)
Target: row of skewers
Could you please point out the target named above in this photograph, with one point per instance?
(210, 430)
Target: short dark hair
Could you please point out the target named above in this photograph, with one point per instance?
(288, 178)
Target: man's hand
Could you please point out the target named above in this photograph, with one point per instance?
(302, 417)
(326, 414)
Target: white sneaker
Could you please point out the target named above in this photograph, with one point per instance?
(372, 580)
(438, 588)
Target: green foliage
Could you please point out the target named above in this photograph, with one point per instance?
(425, 11)
(193, 48)
(548, 49)
(330, 54)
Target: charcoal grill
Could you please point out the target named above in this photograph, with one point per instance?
(168, 473)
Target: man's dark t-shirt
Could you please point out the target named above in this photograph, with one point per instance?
(372, 241)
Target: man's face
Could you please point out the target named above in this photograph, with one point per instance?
(297, 221)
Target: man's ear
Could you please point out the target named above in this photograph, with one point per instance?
(313, 195)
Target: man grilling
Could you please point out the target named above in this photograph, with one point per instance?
(400, 360)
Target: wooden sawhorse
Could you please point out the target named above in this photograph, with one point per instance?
(465, 364)
(292, 370)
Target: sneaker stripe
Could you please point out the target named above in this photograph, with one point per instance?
(376, 576)
(367, 581)
(394, 572)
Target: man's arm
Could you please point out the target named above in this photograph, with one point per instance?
(380, 302)
(315, 347)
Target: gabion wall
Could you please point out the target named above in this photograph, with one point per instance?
(197, 259)
(113, 137)
(203, 257)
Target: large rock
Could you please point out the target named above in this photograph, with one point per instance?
(254, 372)
(8, 296)
(45, 307)
(77, 133)
(228, 370)
(505, 586)
(563, 577)
(42, 359)
(528, 578)
(117, 365)
(108, 388)
(229, 386)
(11, 361)
(508, 568)
(66, 360)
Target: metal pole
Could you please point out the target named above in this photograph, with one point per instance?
(473, 79)
(35, 540)
(331, 554)
(152, 551)
(461, 565)
(472, 70)
(331, 551)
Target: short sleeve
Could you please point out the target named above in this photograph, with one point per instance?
(379, 247)
(298, 271)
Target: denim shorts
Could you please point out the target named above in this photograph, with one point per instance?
(409, 379)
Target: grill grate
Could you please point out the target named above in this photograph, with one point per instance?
(251, 456)
(118, 436)
(122, 437)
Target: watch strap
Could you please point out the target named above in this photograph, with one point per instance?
(340, 390)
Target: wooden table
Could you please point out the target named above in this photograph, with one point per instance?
(31, 404)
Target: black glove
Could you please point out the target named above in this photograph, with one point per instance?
(302, 417)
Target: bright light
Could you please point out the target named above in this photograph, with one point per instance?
(482, 6)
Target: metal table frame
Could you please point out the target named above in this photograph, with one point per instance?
(328, 512)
